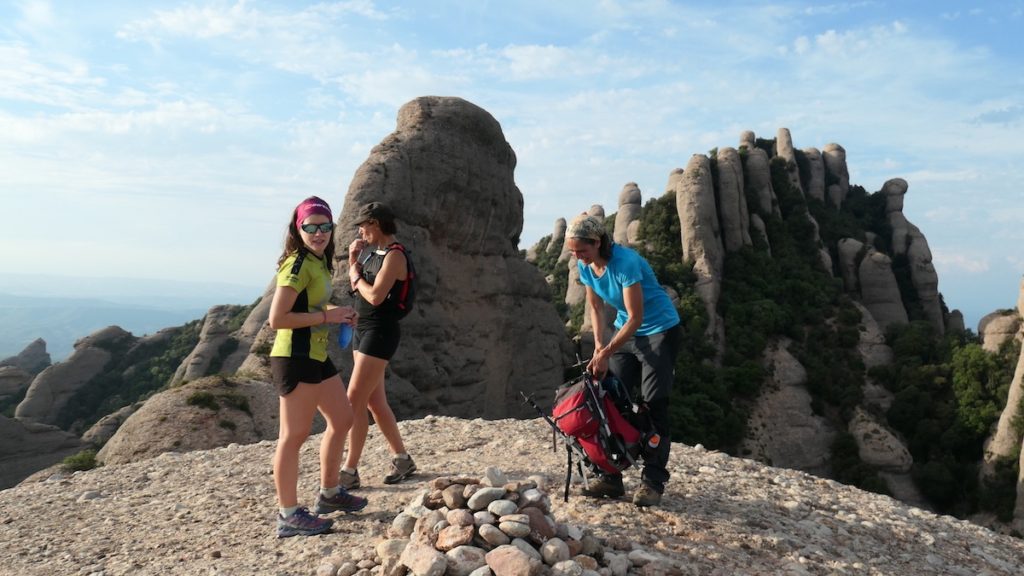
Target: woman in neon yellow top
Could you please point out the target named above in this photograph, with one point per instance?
(306, 378)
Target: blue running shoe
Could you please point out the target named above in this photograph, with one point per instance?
(302, 523)
(342, 501)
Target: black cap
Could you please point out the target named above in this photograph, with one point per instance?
(378, 211)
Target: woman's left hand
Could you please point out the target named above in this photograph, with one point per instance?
(598, 365)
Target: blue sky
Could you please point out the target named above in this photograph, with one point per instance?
(162, 139)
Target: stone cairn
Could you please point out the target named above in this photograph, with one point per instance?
(463, 526)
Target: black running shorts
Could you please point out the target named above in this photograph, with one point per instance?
(379, 341)
(288, 372)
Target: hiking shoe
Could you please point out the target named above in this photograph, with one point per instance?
(302, 523)
(342, 501)
(646, 496)
(349, 481)
(606, 487)
(401, 468)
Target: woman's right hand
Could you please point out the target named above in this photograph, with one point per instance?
(354, 249)
(341, 315)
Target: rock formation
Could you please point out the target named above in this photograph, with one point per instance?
(53, 387)
(758, 178)
(784, 149)
(575, 292)
(215, 342)
(782, 429)
(205, 413)
(996, 328)
(879, 292)
(732, 201)
(837, 175)
(851, 251)
(907, 240)
(29, 446)
(33, 359)
(1006, 441)
(816, 177)
(13, 383)
(627, 217)
(484, 327)
(701, 239)
(104, 429)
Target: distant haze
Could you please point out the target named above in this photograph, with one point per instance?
(62, 309)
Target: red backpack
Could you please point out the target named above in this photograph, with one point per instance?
(599, 424)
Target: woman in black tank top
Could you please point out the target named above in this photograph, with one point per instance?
(379, 274)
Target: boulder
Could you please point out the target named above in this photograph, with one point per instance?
(872, 347)
(628, 214)
(105, 428)
(13, 383)
(747, 140)
(27, 446)
(877, 445)
(879, 292)
(732, 201)
(484, 327)
(816, 178)
(575, 291)
(33, 359)
(783, 430)
(837, 175)
(206, 413)
(998, 327)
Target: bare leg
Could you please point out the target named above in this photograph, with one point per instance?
(385, 419)
(367, 374)
(333, 404)
(296, 419)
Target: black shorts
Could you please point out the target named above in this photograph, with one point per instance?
(379, 341)
(288, 372)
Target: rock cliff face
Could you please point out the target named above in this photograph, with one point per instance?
(484, 327)
(1005, 442)
(216, 344)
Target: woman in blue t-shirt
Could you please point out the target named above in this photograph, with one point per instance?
(642, 351)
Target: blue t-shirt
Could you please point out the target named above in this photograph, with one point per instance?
(626, 268)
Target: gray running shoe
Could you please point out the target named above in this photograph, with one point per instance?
(342, 501)
(401, 468)
(302, 523)
(349, 481)
(647, 496)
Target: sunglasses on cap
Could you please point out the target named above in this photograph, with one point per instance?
(326, 227)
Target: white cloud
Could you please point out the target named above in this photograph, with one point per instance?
(953, 262)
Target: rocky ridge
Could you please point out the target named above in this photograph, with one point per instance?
(212, 512)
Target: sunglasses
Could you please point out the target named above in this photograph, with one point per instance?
(326, 227)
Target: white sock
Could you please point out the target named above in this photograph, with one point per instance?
(329, 492)
(348, 470)
(402, 455)
(286, 512)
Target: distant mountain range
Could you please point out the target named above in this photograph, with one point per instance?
(61, 309)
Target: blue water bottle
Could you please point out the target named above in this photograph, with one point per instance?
(344, 335)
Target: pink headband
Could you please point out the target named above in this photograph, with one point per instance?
(310, 206)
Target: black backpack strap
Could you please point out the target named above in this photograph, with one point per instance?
(297, 265)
